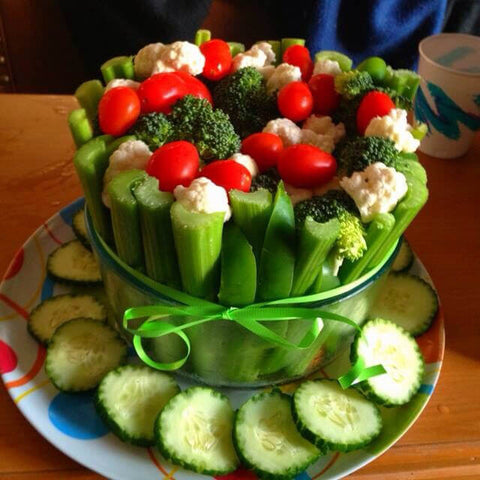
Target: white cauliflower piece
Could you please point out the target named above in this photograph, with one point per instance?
(396, 127)
(128, 156)
(324, 125)
(288, 131)
(203, 196)
(377, 189)
(297, 195)
(267, 71)
(247, 161)
(324, 65)
(180, 56)
(323, 142)
(146, 58)
(283, 74)
(121, 82)
(250, 58)
(267, 49)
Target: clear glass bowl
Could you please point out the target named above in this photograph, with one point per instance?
(224, 353)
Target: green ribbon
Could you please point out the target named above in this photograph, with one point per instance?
(157, 324)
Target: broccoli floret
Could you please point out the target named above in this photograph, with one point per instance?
(193, 119)
(154, 129)
(243, 96)
(353, 83)
(347, 114)
(357, 153)
(268, 180)
(350, 242)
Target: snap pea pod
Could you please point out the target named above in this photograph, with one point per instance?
(88, 95)
(118, 67)
(80, 127)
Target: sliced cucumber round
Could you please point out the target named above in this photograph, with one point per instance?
(81, 352)
(79, 227)
(383, 342)
(267, 440)
(404, 259)
(408, 301)
(194, 430)
(342, 59)
(55, 311)
(333, 418)
(72, 263)
(129, 399)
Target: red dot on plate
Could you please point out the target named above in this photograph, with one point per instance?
(15, 265)
(240, 474)
(8, 359)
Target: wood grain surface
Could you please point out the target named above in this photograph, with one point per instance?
(37, 179)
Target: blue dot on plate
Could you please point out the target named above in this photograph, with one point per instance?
(75, 416)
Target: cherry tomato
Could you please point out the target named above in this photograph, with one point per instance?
(228, 174)
(300, 57)
(295, 101)
(118, 110)
(373, 104)
(218, 59)
(194, 86)
(175, 163)
(306, 166)
(160, 91)
(264, 148)
(325, 97)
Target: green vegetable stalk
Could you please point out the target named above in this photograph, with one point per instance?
(118, 67)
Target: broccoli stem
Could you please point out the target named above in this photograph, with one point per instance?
(202, 36)
(118, 67)
(80, 127)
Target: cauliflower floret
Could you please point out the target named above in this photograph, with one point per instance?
(324, 125)
(129, 155)
(247, 161)
(250, 58)
(297, 195)
(323, 142)
(145, 59)
(267, 49)
(122, 82)
(288, 131)
(267, 71)
(394, 126)
(331, 67)
(203, 196)
(377, 189)
(180, 56)
(283, 74)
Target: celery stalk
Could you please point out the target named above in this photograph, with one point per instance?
(112, 146)
(88, 95)
(80, 127)
(277, 50)
(118, 67)
(236, 47)
(202, 36)
(289, 42)
(198, 242)
(344, 61)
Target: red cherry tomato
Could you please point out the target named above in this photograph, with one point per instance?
(264, 148)
(218, 59)
(118, 110)
(325, 97)
(373, 104)
(295, 101)
(194, 86)
(175, 163)
(160, 91)
(306, 166)
(228, 174)
(300, 57)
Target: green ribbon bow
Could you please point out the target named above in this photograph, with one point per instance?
(156, 324)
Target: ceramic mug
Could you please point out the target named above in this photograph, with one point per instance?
(448, 99)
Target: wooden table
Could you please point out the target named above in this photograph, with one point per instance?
(37, 178)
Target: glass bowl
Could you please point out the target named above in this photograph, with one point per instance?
(224, 353)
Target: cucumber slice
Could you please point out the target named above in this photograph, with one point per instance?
(333, 418)
(81, 352)
(236, 47)
(202, 36)
(126, 218)
(73, 264)
(195, 430)
(267, 440)
(408, 301)
(79, 227)
(277, 261)
(198, 242)
(238, 279)
(404, 259)
(385, 343)
(88, 95)
(118, 67)
(157, 236)
(129, 399)
(80, 127)
(55, 311)
(344, 61)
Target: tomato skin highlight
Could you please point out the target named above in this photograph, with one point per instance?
(118, 110)
(228, 174)
(299, 56)
(373, 104)
(160, 91)
(218, 59)
(295, 101)
(306, 166)
(325, 98)
(194, 86)
(175, 163)
(264, 148)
